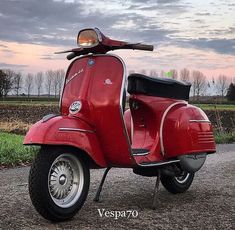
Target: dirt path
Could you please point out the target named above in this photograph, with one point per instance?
(208, 204)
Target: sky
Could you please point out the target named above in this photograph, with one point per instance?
(195, 34)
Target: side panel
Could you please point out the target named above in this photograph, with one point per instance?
(187, 130)
(105, 99)
(66, 131)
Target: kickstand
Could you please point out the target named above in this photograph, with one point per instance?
(97, 195)
(156, 190)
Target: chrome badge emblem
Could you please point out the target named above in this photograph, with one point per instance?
(91, 62)
(108, 82)
(75, 107)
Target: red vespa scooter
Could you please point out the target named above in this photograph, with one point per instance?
(160, 135)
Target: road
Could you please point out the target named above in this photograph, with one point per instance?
(208, 204)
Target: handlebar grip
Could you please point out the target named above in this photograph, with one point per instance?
(143, 47)
(71, 56)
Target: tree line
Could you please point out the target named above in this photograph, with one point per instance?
(51, 82)
(15, 82)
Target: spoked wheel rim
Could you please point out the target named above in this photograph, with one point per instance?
(183, 178)
(65, 180)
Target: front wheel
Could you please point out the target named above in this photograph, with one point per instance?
(178, 184)
(58, 183)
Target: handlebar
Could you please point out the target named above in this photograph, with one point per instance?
(140, 46)
(104, 49)
(71, 56)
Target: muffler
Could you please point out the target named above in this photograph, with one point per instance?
(193, 162)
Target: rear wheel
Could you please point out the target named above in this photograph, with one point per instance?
(177, 184)
(58, 183)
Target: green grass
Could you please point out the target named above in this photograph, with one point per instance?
(216, 106)
(225, 138)
(13, 152)
(31, 103)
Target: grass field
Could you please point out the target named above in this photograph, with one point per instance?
(225, 138)
(216, 106)
(13, 152)
(36, 103)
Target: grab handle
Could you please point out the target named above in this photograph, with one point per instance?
(140, 46)
(71, 56)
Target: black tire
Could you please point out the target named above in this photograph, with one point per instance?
(43, 190)
(177, 184)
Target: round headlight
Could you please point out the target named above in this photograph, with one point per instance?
(75, 107)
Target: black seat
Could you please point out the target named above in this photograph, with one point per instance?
(160, 87)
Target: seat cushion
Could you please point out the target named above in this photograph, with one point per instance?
(159, 87)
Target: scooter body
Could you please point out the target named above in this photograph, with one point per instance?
(166, 127)
(159, 129)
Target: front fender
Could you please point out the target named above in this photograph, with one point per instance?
(64, 130)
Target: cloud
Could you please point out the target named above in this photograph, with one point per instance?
(222, 46)
(203, 14)
(56, 23)
(11, 66)
(51, 57)
(164, 6)
(3, 46)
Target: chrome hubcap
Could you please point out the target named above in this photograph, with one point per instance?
(182, 179)
(65, 180)
(62, 179)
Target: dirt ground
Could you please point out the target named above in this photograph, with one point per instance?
(208, 204)
(18, 118)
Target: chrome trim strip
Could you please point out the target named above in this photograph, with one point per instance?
(140, 154)
(61, 92)
(124, 78)
(162, 122)
(159, 163)
(76, 130)
(199, 121)
(98, 34)
(132, 129)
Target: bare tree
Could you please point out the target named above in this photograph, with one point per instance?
(5, 84)
(55, 82)
(38, 82)
(174, 73)
(222, 84)
(162, 73)
(153, 73)
(131, 71)
(6, 81)
(48, 82)
(29, 83)
(18, 80)
(143, 71)
(198, 83)
(185, 75)
(60, 77)
(10, 80)
(233, 80)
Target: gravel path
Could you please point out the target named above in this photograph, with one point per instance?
(208, 204)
